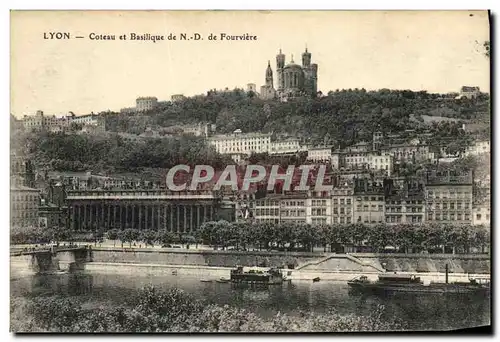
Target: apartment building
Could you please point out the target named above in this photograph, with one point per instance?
(369, 202)
(449, 198)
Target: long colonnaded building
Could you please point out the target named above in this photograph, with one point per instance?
(159, 209)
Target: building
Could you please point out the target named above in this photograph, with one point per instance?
(267, 91)
(369, 202)
(293, 80)
(239, 143)
(40, 121)
(51, 215)
(479, 147)
(342, 205)
(406, 205)
(320, 154)
(449, 198)
(266, 209)
(21, 171)
(251, 87)
(179, 212)
(24, 205)
(143, 104)
(481, 214)
(481, 208)
(467, 92)
(177, 97)
(381, 163)
(378, 139)
(285, 146)
(409, 153)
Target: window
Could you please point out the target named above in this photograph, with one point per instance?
(478, 217)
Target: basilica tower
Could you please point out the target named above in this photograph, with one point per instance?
(269, 75)
(280, 65)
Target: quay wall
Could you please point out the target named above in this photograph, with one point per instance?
(313, 262)
(203, 257)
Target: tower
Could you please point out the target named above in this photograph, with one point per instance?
(280, 64)
(306, 59)
(269, 75)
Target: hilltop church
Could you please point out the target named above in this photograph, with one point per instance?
(293, 80)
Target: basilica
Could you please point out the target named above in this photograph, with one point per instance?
(293, 80)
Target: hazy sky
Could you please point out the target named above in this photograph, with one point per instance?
(435, 51)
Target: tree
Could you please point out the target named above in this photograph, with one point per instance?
(486, 46)
(113, 234)
(148, 236)
(129, 235)
(188, 240)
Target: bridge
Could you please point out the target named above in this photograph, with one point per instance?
(40, 260)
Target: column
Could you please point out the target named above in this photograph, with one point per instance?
(108, 224)
(133, 216)
(121, 215)
(140, 216)
(159, 217)
(191, 225)
(73, 221)
(102, 215)
(91, 217)
(146, 212)
(178, 215)
(198, 215)
(171, 208)
(114, 216)
(80, 217)
(85, 216)
(184, 226)
(165, 217)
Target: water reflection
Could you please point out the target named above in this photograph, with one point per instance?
(418, 311)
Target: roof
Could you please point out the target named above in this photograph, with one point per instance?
(22, 188)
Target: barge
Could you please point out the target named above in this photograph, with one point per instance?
(256, 277)
(407, 283)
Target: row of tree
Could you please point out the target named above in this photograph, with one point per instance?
(35, 235)
(403, 237)
(289, 236)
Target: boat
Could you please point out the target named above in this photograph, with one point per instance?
(223, 280)
(256, 277)
(315, 280)
(408, 283)
(206, 280)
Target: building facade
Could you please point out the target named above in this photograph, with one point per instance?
(449, 199)
(143, 104)
(24, 206)
(178, 212)
(241, 143)
(369, 202)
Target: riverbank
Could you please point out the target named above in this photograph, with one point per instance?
(214, 273)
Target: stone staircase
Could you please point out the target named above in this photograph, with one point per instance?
(315, 262)
(364, 263)
(349, 257)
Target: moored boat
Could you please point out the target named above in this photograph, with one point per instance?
(407, 283)
(256, 277)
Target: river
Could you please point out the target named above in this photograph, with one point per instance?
(420, 312)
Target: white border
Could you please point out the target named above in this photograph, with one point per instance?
(185, 4)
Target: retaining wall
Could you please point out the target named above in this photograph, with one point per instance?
(202, 258)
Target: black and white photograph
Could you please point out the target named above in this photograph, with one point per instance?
(250, 171)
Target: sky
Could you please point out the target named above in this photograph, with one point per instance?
(437, 51)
